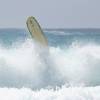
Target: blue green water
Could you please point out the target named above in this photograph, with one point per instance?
(56, 37)
(67, 36)
(73, 58)
(69, 69)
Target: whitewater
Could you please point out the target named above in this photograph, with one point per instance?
(60, 72)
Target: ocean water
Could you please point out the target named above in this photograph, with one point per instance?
(69, 69)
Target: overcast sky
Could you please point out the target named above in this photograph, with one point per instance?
(51, 13)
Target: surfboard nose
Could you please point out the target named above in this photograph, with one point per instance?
(36, 31)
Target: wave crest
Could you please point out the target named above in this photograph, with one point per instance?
(28, 65)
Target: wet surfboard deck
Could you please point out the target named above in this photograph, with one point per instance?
(36, 31)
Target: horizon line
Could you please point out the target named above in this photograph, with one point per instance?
(50, 28)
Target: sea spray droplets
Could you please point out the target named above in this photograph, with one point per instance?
(23, 66)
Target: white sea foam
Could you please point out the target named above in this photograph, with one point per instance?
(71, 93)
(63, 32)
(27, 65)
(58, 32)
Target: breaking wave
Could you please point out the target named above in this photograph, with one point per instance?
(28, 65)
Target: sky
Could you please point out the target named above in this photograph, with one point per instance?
(50, 13)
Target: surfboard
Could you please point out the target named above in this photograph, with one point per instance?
(36, 31)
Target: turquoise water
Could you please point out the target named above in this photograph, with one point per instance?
(68, 36)
(56, 37)
(68, 69)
